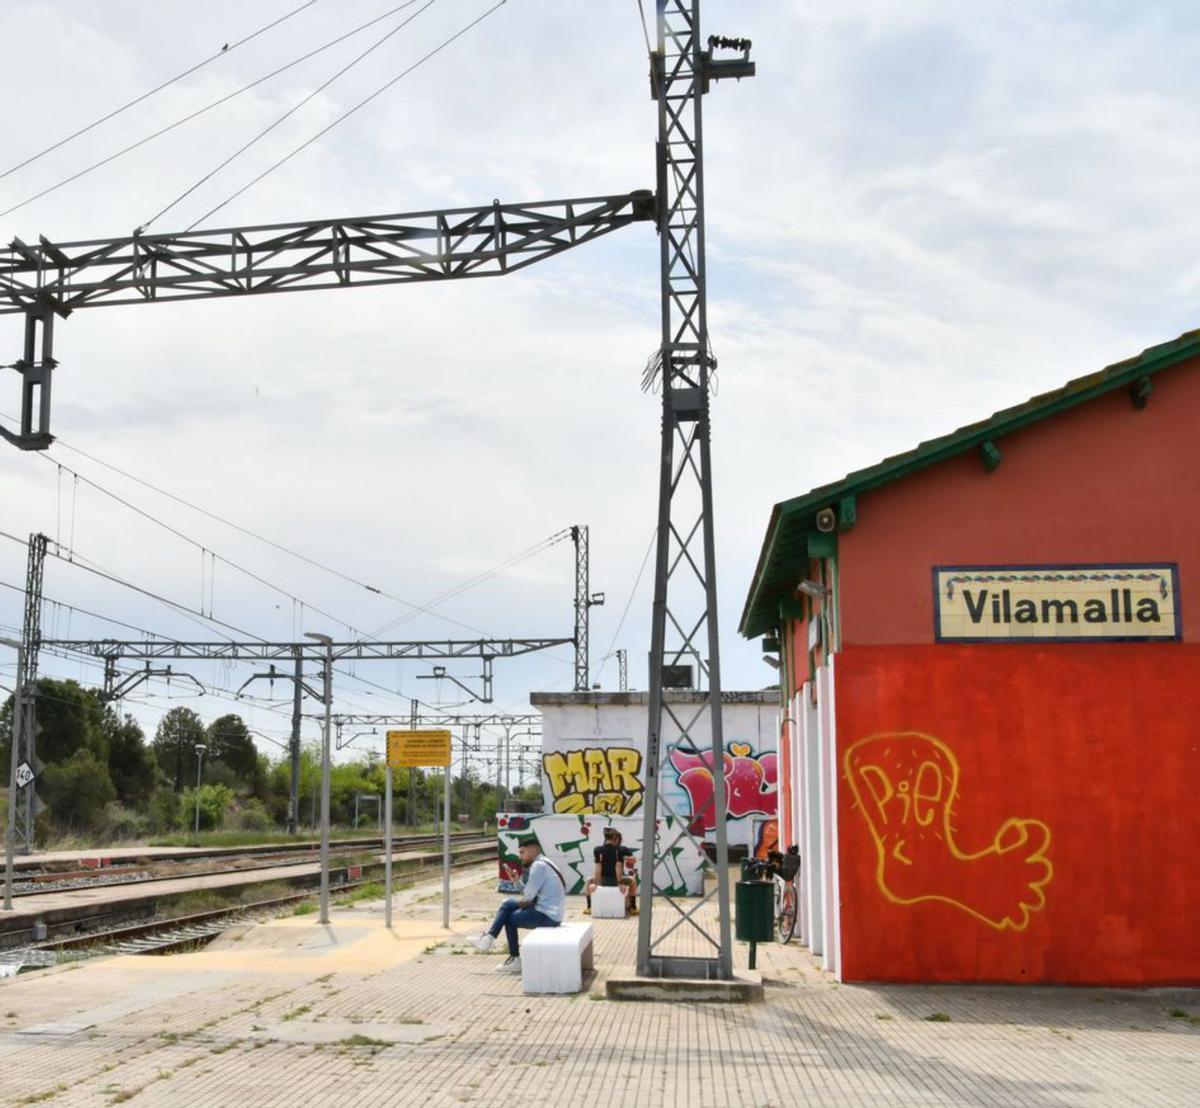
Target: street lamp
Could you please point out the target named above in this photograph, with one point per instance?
(327, 642)
(12, 772)
(200, 749)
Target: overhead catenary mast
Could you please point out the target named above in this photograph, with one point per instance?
(52, 280)
(684, 643)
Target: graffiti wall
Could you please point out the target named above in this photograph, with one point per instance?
(569, 841)
(593, 759)
(1004, 816)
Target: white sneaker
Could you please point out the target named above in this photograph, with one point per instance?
(509, 965)
(483, 942)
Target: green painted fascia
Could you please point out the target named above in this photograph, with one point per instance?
(797, 514)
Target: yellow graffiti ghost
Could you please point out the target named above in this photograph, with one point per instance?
(905, 785)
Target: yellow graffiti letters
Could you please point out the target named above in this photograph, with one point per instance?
(597, 779)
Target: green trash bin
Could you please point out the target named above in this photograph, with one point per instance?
(754, 903)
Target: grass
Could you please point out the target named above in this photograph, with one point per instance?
(304, 908)
(363, 1040)
(372, 890)
(271, 838)
(296, 1013)
(937, 1017)
(38, 1098)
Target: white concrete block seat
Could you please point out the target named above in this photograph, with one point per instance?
(608, 902)
(553, 958)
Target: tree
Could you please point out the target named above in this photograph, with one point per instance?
(131, 763)
(69, 718)
(77, 791)
(175, 744)
(229, 742)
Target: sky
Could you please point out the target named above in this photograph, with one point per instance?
(918, 213)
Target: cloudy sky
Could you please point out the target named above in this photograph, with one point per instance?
(918, 213)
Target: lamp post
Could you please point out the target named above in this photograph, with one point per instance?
(200, 749)
(12, 772)
(327, 642)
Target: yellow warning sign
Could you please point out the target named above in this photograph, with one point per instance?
(418, 748)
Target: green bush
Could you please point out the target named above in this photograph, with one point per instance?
(253, 817)
(214, 803)
(123, 823)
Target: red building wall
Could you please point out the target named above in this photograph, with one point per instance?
(1103, 482)
(1024, 812)
(1067, 848)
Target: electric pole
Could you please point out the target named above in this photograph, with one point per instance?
(684, 646)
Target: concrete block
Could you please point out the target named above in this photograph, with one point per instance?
(553, 958)
(745, 987)
(608, 902)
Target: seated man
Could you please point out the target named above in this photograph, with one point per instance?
(542, 904)
(612, 869)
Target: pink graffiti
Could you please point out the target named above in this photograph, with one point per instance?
(750, 783)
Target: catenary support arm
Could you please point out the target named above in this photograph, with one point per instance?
(52, 279)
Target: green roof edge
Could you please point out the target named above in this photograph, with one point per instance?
(757, 614)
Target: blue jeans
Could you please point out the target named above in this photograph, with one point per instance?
(510, 917)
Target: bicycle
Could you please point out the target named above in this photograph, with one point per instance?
(782, 870)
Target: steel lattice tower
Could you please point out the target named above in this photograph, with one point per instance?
(684, 629)
(25, 701)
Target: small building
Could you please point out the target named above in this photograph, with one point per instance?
(592, 771)
(990, 653)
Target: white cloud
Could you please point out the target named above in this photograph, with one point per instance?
(918, 213)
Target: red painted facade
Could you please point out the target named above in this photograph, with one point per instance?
(1014, 812)
(1103, 482)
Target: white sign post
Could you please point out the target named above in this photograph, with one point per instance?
(24, 774)
(387, 849)
(446, 854)
(421, 748)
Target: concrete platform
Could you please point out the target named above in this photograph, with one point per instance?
(290, 1014)
(58, 909)
(745, 987)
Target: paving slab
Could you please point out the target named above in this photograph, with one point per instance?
(293, 1014)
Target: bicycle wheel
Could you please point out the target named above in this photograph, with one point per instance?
(785, 919)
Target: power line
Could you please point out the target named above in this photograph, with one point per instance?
(416, 608)
(628, 603)
(291, 111)
(346, 115)
(225, 50)
(207, 108)
(458, 590)
(645, 32)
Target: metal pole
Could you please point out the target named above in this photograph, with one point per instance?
(15, 738)
(327, 642)
(387, 849)
(200, 748)
(446, 852)
(325, 783)
(294, 748)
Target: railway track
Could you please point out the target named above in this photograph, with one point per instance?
(36, 882)
(174, 933)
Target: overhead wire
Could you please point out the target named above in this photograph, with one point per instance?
(628, 603)
(376, 590)
(645, 31)
(202, 111)
(291, 111)
(347, 114)
(225, 51)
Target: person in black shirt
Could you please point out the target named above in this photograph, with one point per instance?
(614, 868)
